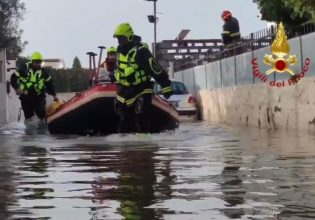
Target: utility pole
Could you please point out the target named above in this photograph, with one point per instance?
(153, 19)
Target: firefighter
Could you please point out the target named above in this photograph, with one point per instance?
(136, 66)
(231, 29)
(30, 82)
(110, 63)
(108, 67)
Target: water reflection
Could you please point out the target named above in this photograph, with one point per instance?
(133, 186)
(33, 170)
(34, 159)
(202, 172)
(7, 188)
(232, 184)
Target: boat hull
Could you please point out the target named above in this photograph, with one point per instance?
(93, 112)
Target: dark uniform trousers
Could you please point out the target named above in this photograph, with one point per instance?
(136, 117)
(33, 104)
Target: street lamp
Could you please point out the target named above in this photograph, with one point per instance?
(153, 19)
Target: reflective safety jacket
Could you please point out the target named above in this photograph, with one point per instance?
(231, 31)
(32, 82)
(136, 66)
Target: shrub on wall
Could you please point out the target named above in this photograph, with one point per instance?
(70, 80)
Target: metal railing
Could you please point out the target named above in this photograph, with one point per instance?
(253, 41)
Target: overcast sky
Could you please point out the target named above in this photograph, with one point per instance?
(68, 28)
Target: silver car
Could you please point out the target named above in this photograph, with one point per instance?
(182, 100)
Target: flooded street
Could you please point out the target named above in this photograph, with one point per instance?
(199, 172)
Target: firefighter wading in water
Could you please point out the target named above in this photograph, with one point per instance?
(31, 82)
(136, 66)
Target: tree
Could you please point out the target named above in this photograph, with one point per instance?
(302, 6)
(76, 63)
(11, 12)
(70, 80)
(21, 61)
(287, 11)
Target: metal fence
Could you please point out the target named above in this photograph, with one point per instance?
(232, 67)
(252, 42)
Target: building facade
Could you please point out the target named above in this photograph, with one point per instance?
(54, 63)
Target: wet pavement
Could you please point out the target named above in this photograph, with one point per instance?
(199, 172)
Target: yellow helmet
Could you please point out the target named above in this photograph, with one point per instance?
(37, 56)
(111, 50)
(124, 29)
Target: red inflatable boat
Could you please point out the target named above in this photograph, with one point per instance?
(92, 112)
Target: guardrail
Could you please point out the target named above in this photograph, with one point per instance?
(233, 66)
(254, 41)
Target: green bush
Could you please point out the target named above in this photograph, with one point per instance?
(70, 80)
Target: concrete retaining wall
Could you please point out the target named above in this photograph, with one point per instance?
(3, 93)
(228, 91)
(262, 106)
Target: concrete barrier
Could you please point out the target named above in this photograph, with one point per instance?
(262, 106)
(229, 92)
(3, 89)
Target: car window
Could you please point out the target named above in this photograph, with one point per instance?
(179, 88)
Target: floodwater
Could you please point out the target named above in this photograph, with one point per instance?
(199, 172)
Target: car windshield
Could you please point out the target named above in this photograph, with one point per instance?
(179, 88)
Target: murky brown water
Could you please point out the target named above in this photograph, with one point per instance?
(200, 172)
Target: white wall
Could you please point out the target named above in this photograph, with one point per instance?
(3, 95)
(263, 106)
(229, 93)
(13, 100)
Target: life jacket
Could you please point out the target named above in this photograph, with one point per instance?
(32, 80)
(128, 73)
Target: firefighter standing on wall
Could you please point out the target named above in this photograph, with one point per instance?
(31, 82)
(231, 29)
(136, 66)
